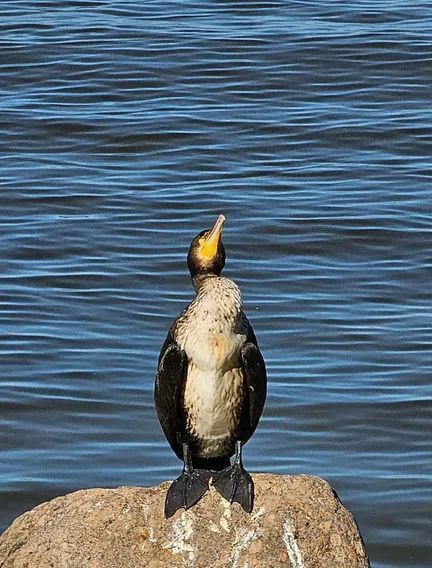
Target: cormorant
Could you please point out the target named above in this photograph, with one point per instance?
(211, 382)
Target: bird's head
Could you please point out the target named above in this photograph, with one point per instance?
(206, 253)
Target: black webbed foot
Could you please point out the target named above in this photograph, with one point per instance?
(188, 488)
(235, 484)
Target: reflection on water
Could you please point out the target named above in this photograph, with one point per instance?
(124, 130)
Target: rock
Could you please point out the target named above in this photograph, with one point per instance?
(297, 522)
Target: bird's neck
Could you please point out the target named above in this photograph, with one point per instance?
(216, 294)
(200, 281)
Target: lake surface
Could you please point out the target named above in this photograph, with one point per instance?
(125, 128)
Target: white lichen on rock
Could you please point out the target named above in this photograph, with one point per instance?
(293, 550)
(181, 532)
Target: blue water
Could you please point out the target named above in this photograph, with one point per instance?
(125, 128)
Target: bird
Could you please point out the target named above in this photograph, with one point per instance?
(211, 383)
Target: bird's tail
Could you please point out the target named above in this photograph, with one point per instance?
(211, 464)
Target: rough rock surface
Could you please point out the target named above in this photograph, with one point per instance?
(297, 522)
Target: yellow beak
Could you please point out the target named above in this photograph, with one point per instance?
(209, 245)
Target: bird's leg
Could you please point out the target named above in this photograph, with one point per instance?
(234, 483)
(188, 488)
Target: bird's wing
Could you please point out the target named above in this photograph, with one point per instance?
(169, 380)
(254, 372)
